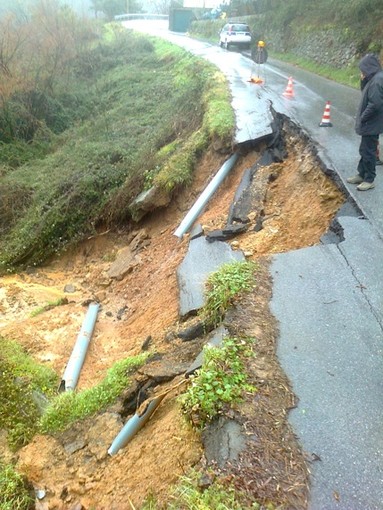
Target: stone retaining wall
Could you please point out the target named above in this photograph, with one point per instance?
(326, 47)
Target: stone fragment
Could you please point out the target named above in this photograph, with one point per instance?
(192, 332)
(69, 288)
(74, 446)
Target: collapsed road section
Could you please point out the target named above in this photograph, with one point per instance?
(270, 207)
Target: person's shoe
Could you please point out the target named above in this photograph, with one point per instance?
(364, 186)
(355, 179)
(379, 162)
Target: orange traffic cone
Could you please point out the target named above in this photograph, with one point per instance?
(325, 122)
(289, 92)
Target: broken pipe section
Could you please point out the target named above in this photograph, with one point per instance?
(77, 358)
(205, 196)
(133, 425)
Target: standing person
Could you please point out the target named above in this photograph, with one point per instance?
(369, 121)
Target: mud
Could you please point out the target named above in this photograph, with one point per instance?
(299, 202)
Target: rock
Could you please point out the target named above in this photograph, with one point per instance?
(100, 296)
(123, 264)
(40, 493)
(98, 443)
(148, 201)
(228, 232)
(163, 371)
(192, 332)
(223, 441)
(77, 506)
(69, 288)
(196, 231)
(170, 336)
(145, 346)
(205, 481)
(140, 241)
(121, 312)
(74, 446)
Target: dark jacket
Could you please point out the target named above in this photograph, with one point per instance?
(369, 119)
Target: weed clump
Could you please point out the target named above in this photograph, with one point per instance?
(188, 495)
(222, 287)
(220, 382)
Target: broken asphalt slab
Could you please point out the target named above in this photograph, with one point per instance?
(201, 260)
(329, 301)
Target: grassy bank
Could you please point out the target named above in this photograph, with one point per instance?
(154, 109)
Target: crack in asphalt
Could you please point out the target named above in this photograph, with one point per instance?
(362, 288)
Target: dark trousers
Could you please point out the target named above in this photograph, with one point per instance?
(367, 151)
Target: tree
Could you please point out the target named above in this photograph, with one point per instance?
(161, 6)
(111, 8)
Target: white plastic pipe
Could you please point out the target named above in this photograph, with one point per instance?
(133, 425)
(205, 196)
(77, 358)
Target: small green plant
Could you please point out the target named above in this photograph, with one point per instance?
(187, 495)
(49, 306)
(72, 406)
(220, 382)
(14, 494)
(223, 286)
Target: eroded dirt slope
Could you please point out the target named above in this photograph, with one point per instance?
(74, 469)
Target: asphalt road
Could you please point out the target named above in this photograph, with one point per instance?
(328, 299)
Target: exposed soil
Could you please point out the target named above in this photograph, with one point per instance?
(73, 467)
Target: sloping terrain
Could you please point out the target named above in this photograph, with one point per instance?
(73, 468)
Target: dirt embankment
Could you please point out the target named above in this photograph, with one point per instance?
(299, 202)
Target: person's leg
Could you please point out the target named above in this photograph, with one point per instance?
(379, 162)
(367, 151)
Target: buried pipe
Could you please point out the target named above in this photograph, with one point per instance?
(133, 425)
(76, 360)
(136, 422)
(205, 196)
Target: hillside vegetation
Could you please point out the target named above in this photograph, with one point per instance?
(90, 121)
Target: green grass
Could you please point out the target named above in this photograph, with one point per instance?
(49, 306)
(347, 75)
(219, 383)
(72, 406)
(24, 386)
(14, 494)
(223, 286)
